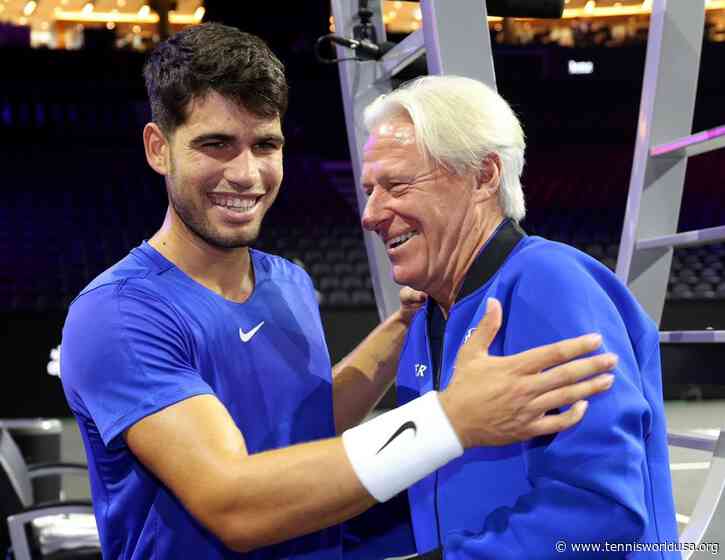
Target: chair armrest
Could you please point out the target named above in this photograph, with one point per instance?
(17, 522)
(38, 470)
(49, 508)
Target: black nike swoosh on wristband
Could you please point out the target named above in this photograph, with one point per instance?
(409, 425)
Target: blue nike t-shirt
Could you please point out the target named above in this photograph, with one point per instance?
(143, 336)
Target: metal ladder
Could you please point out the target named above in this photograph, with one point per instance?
(649, 235)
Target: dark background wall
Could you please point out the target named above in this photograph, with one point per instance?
(77, 194)
(27, 338)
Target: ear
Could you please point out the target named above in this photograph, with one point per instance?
(157, 148)
(488, 178)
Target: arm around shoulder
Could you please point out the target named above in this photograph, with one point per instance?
(248, 501)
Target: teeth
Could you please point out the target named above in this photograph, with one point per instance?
(397, 241)
(237, 204)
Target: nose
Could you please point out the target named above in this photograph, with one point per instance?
(374, 213)
(244, 170)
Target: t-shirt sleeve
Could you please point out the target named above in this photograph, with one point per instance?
(125, 354)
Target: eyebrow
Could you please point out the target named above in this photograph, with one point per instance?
(211, 137)
(277, 138)
(221, 137)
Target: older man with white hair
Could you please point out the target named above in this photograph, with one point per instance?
(442, 173)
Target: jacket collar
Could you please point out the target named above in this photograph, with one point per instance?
(491, 257)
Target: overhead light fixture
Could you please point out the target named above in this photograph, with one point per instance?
(618, 10)
(103, 17)
(581, 67)
(116, 16)
(144, 11)
(30, 8)
(88, 8)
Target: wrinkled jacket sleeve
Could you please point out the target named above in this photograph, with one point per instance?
(587, 483)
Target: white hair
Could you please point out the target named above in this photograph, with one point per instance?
(458, 122)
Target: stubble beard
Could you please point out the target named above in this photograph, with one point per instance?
(196, 221)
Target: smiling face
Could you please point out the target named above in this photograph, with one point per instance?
(223, 170)
(425, 215)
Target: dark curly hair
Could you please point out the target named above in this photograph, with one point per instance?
(213, 57)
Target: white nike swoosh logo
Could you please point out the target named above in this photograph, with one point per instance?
(246, 337)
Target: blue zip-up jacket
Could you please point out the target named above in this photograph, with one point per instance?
(605, 481)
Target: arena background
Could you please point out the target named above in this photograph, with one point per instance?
(77, 194)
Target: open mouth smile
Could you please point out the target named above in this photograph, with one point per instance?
(399, 240)
(236, 204)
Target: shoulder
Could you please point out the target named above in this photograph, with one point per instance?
(105, 299)
(129, 293)
(543, 264)
(553, 280)
(557, 280)
(140, 265)
(279, 269)
(548, 255)
(118, 327)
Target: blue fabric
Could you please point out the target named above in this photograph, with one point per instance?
(143, 336)
(383, 531)
(606, 479)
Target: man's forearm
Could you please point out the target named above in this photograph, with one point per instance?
(285, 493)
(362, 377)
(277, 495)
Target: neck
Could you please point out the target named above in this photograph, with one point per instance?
(228, 272)
(445, 294)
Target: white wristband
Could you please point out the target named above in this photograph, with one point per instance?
(398, 448)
